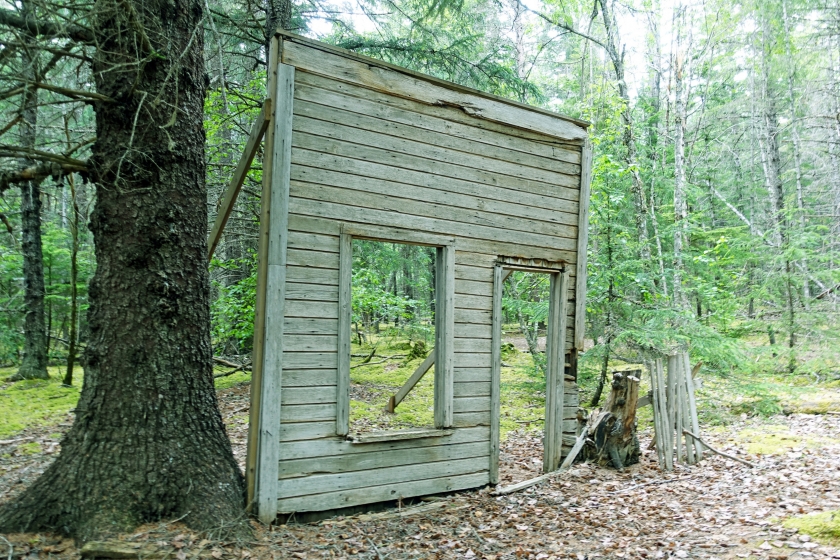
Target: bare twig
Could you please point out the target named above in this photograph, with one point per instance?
(11, 548)
(716, 452)
(46, 28)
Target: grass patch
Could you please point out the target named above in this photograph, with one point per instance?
(823, 527)
(231, 380)
(36, 402)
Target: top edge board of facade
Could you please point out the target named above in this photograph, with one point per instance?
(323, 59)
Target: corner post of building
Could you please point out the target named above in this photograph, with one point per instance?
(264, 432)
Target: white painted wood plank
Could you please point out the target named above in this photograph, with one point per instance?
(318, 483)
(494, 140)
(474, 273)
(308, 413)
(308, 395)
(374, 74)
(401, 235)
(477, 345)
(310, 275)
(450, 120)
(472, 389)
(380, 459)
(311, 292)
(495, 373)
(309, 378)
(470, 330)
(368, 192)
(583, 239)
(340, 447)
(316, 259)
(307, 325)
(515, 242)
(360, 129)
(275, 298)
(374, 494)
(444, 335)
(473, 288)
(559, 193)
(306, 432)
(345, 304)
(310, 360)
(313, 242)
(468, 374)
(309, 343)
(312, 309)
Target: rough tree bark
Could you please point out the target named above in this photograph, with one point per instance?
(612, 430)
(34, 365)
(148, 441)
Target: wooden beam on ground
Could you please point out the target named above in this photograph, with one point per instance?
(542, 478)
(232, 192)
(418, 374)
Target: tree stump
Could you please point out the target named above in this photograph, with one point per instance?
(611, 431)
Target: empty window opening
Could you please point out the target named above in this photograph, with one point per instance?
(392, 334)
(522, 389)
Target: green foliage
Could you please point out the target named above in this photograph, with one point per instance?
(232, 310)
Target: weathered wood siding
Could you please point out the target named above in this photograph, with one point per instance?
(364, 154)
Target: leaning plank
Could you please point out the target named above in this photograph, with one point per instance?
(495, 376)
(245, 160)
(377, 75)
(542, 478)
(418, 374)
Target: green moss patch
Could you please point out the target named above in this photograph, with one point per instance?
(36, 402)
(774, 440)
(823, 527)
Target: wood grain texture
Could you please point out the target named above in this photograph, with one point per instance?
(275, 297)
(583, 239)
(374, 74)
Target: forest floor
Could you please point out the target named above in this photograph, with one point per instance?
(716, 509)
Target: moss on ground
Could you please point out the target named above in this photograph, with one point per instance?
(374, 383)
(771, 439)
(36, 402)
(823, 527)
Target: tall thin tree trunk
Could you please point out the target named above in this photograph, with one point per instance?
(617, 59)
(74, 279)
(680, 204)
(34, 365)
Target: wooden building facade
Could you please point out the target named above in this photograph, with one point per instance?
(358, 148)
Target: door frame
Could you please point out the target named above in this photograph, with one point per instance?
(555, 358)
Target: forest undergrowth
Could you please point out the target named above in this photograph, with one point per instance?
(782, 507)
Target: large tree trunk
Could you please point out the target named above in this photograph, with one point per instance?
(148, 441)
(34, 365)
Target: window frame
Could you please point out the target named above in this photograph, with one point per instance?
(444, 318)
